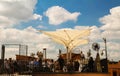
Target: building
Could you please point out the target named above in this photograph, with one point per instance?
(114, 68)
(24, 58)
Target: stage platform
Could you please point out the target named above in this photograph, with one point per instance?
(71, 74)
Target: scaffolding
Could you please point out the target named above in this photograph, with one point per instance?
(23, 49)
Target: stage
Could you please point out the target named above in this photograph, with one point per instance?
(71, 74)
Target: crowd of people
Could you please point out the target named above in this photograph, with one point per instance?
(60, 65)
(10, 66)
(46, 65)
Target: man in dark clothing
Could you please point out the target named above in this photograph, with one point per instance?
(40, 65)
(76, 65)
(61, 62)
(90, 64)
(70, 66)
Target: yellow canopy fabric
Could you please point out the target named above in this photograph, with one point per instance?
(69, 38)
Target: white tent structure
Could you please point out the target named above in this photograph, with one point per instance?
(69, 38)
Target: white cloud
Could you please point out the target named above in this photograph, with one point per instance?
(58, 15)
(16, 11)
(111, 35)
(36, 16)
(113, 55)
(112, 20)
(111, 24)
(5, 22)
(81, 27)
(95, 32)
(28, 36)
(41, 26)
(115, 46)
(30, 29)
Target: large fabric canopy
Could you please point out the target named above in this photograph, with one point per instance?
(69, 38)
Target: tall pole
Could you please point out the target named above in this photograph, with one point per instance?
(105, 47)
(106, 54)
(59, 52)
(3, 52)
(26, 50)
(70, 55)
(44, 49)
(67, 55)
(19, 49)
(45, 54)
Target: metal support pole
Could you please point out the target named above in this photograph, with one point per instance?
(70, 54)
(105, 48)
(19, 48)
(26, 50)
(59, 52)
(67, 55)
(106, 54)
(44, 52)
(3, 52)
(3, 55)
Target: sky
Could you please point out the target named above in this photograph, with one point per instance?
(20, 21)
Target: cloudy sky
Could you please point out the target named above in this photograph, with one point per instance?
(20, 21)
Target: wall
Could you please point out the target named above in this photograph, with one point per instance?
(114, 68)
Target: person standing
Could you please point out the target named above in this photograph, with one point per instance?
(91, 64)
(61, 62)
(76, 65)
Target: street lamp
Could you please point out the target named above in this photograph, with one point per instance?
(104, 39)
